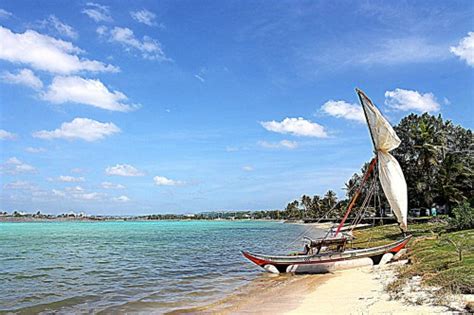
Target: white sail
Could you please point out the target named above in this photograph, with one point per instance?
(390, 173)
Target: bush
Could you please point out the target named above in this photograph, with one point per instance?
(463, 217)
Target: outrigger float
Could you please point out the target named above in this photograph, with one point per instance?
(331, 252)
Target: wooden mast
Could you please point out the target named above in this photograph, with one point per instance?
(357, 193)
(360, 94)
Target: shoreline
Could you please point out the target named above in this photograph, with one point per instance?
(354, 291)
(267, 294)
(362, 291)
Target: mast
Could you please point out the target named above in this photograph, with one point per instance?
(356, 195)
(359, 94)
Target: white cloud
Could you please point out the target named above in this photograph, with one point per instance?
(4, 14)
(399, 51)
(70, 179)
(77, 192)
(148, 47)
(6, 135)
(20, 185)
(287, 144)
(85, 91)
(52, 22)
(122, 198)
(144, 16)
(197, 76)
(80, 128)
(23, 77)
(109, 185)
(90, 196)
(411, 100)
(43, 52)
(14, 166)
(247, 168)
(75, 189)
(296, 127)
(123, 170)
(342, 109)
(163, 181)
(97, 12)
(465, 49)
(35, 150)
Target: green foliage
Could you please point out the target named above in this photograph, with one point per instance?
(435, 157)
(463, 217)
(444, 259)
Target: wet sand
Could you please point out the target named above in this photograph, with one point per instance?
(268, 294)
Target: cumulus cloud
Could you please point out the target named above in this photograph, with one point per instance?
(342, 109)
(286, 144)
(163, 181)
(6, 135)
(63, 29)
(407, 100)
(23, 77)
(109, 185)
(465, 49)
(43, 52)
(90, 92)
(97, 12)
(148, 47)
(80, 128)
(35, 150)
(78, 193)
(123, 170)
(122, 198)
(14, 166)
(296, 127)
(4, 14)
(144, 16)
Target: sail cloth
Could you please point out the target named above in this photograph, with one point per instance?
(390, 173)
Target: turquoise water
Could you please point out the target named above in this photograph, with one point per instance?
(144, 267)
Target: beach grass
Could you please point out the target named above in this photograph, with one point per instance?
(442, 258)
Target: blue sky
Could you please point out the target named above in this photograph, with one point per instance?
(138, 107)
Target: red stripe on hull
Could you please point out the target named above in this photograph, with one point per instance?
(262, 262)
(396, 249)
(255, 260)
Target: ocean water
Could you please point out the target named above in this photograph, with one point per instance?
(146, 267)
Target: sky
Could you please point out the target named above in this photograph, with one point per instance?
(139, 107)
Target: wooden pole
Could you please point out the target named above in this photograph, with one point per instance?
(356, 195)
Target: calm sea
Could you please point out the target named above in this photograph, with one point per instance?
(157, 267)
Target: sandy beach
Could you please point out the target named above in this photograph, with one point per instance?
(359, 291)
(355, 291)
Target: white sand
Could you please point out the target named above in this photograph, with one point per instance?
(353, 291)
(359, 291)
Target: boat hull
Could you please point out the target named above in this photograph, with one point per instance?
(326, 262)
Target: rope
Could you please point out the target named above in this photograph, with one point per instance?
(319, 220)
(310, 227)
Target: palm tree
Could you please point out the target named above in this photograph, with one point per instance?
(316, 206)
